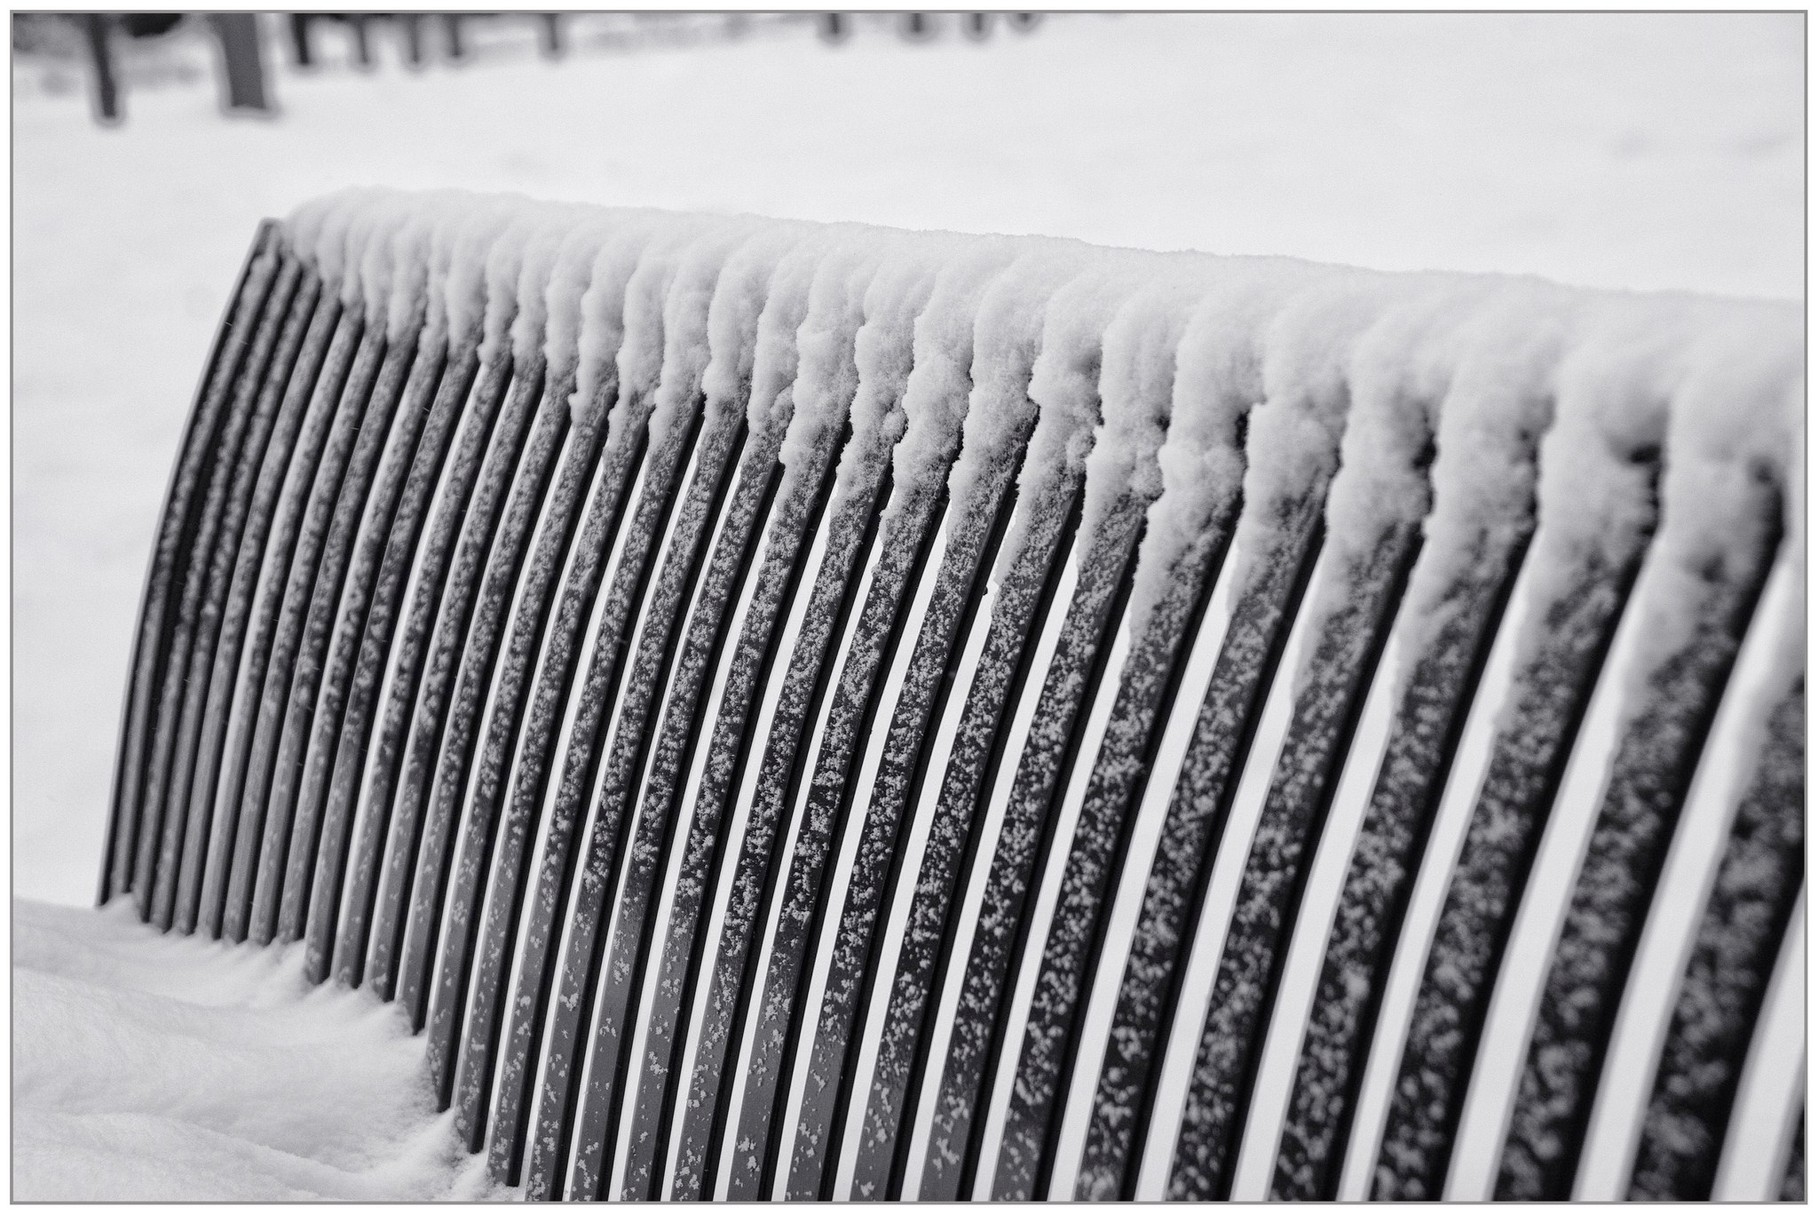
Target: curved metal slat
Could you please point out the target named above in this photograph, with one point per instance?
(1043, 768)
(1328, 704)
(737, 736)
(977, 753)
(905, 542)
(1726, 977)
(262, 573)
(351, 367)
(1360, 949)
(537, 585)
(171, 554)
(444, 661)
(853, 977)
(463, 717)
(1175, 891)
(1623, 858)
(251, 416)
(587, 787)
(292, 361)
(376, 462)
(1070, 957)
(686, 715)
(849, 532)
(328, 660)
(446, 531)
(529, 779)
(334, 787)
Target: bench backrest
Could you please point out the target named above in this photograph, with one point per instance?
(824, 712)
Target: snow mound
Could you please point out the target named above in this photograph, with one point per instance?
(151, 1067)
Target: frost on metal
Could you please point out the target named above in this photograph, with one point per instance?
(546, 623)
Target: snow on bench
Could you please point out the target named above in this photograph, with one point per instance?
(821, 711)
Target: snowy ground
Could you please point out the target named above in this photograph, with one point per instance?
(1628, 151)
(148, 1067)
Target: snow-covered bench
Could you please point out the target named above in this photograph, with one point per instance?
(829, 711)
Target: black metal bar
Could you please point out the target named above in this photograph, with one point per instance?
(461, 587)
(592, 704)
(331, 789)
(796, 520)
(168, 552)
(202, 739)
(1174, 894)
(531, 772)
(906, 542)
(261, 574)
(1622, 862)
(960, 584)
(1056, 734)
(328, 661)
(1546, 708)
(979, 747)
(350, 387)
(850, 532)
(587, 908)
(1327, 708)
(479, 658)
(1726, 978)
(1384, 863)
(236, 459)
(479, 403)
(1146, 691)
(732, 567)
(381, 392)
(530, 779)
(667, 655)
(538, 584)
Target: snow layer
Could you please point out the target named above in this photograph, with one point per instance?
(151, 1067)
(1064, 386)
(1356, 378)
(939, 386)
(1730, 435)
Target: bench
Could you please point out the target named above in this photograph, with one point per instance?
(820, 711)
